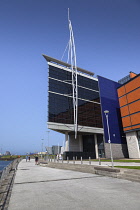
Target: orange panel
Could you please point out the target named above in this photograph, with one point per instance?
(136, 126)
(126, 121)
(135, 119)
(124, 111)
(130, 128)
(122, 101)
(134, 107)
(135, 83)
(133, 96)
(127, 129)
(121, 91)
(132, 74)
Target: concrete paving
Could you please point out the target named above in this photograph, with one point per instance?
(39, 188)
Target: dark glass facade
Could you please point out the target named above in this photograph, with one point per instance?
(61, 101)
(88, 143)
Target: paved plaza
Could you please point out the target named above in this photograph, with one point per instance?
(38, 188)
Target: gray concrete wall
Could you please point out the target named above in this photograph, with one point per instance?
(132, 143)
(75, 144)
(118, 150)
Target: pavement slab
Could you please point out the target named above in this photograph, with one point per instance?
(37, 187)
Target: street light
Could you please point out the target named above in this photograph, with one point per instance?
(48, 138)
(109, 141)
(48, 150)
(42, 148)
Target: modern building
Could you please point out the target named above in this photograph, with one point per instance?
(49, 150)
(129, 99)
(95, 95)
(56, 150)
(7, 153)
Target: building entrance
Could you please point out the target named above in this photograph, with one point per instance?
(89, 145)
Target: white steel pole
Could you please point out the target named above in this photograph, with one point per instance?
(72, 56)
(109, 141)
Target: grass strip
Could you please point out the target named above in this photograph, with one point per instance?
(118, 160)
(129, 167)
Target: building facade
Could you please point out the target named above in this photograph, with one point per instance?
(129, 99)
(95, 95)
(109, 101)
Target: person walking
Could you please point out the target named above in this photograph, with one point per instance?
(26, 158)
(29, 158)
(57, 157)
(36, 160)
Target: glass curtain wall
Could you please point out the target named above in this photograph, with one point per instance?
(61, 101)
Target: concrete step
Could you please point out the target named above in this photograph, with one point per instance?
(134, 172)
(131, 177)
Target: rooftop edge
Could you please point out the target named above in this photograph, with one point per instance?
(50, 59)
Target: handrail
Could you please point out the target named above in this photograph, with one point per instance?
(7, 174)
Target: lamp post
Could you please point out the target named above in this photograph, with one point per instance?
(48, 146)
(42, 148)
(48, 140)
(109, 141)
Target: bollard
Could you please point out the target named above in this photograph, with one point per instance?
(73, 160)
(51, 158)
(62, 159)
(81, 160)
(89, 160)
(76, 157)
(67, 159)
(99, 160)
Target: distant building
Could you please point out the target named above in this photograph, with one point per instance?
(41, 153)
(62, 150)
(49, 150)
(56, 150)
(7, 153)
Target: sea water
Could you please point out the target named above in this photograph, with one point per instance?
(3, 164)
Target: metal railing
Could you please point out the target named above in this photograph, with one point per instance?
(6, 170)
(6, 175)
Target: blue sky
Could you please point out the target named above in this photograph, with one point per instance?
(107, 38)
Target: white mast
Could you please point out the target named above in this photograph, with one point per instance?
(72, 56)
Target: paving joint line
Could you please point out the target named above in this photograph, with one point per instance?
(54, 180)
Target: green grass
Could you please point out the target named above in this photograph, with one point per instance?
(118, 160)
(10, 157)
(129, 167)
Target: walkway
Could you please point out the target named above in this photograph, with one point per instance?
(42, 188)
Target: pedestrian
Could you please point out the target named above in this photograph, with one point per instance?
(36, 160)
(57, 157)
(26, 158)
(29, 158)
(60, 157)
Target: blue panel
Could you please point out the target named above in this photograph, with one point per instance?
(109, 101)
